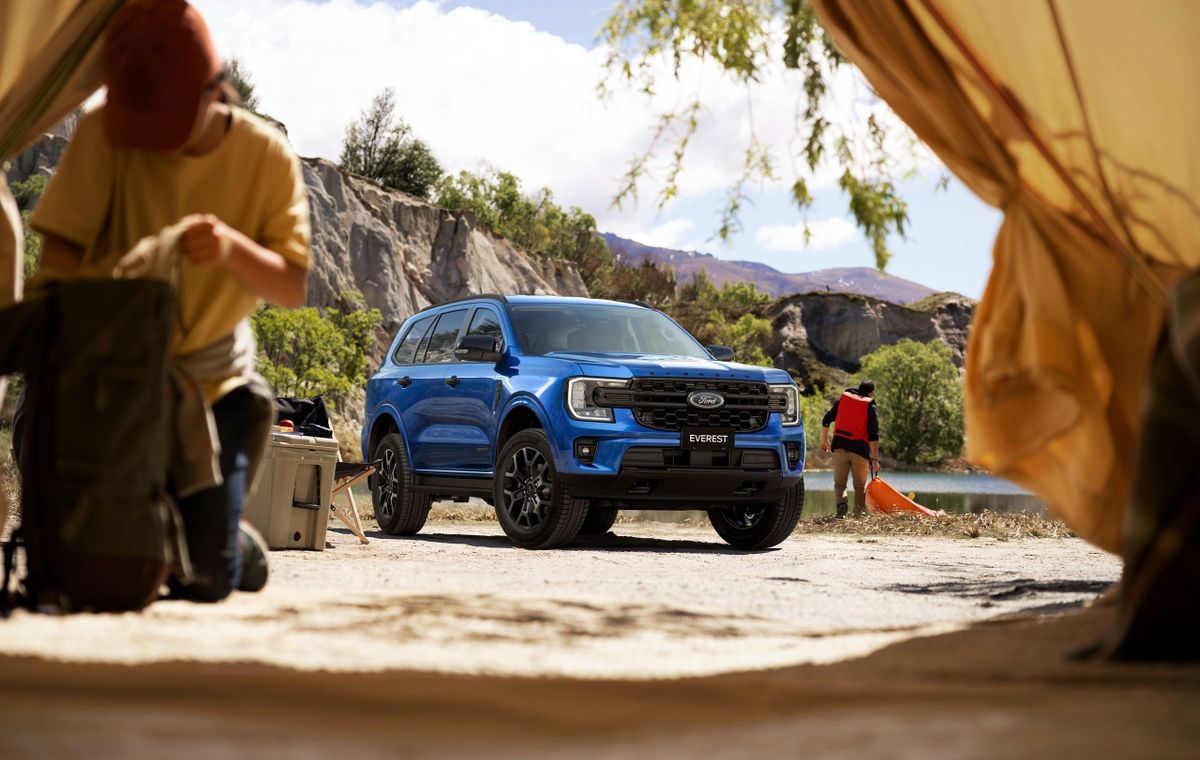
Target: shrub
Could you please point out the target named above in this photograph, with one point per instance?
(919, 393)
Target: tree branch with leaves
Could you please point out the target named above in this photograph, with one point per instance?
(748, 40)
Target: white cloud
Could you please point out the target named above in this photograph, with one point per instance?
(486, 91)
(670, 234)
(824, 234)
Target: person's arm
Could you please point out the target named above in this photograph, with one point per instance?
(60, 254)
(873, 435)
(206, 240)
(829, 419)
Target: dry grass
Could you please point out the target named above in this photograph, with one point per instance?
(998, 525)
(469, 512)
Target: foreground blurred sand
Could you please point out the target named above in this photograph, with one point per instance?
(658, 641)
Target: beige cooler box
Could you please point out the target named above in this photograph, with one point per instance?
(290, 502)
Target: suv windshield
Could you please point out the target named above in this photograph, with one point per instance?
(600, 328)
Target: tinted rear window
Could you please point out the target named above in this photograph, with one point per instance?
(408, 345)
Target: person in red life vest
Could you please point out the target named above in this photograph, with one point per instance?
(855, 443)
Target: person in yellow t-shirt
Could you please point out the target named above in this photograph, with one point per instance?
(167, 148)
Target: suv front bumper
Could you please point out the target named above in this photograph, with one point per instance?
(664, 477)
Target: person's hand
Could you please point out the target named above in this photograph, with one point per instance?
(825, 446)
(205, 239)
(875, 465)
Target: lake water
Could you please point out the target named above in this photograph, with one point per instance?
(952, 492)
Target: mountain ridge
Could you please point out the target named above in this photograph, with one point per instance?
(768, 279)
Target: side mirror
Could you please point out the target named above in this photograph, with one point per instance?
(721, 353)
(478, 348)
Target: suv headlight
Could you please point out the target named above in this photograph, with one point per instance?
(785, 399)
(581, 402)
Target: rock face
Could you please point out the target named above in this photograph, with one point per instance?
(404, 254)
(818, 330)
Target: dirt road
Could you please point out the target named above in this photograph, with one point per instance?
(655, 642)
(653, 601)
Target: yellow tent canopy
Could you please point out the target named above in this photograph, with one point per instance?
(1077, 118)
(49, 63)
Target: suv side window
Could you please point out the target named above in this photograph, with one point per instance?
(444, 336)
(406, 351)
(486, 322)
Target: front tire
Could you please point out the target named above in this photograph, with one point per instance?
(534, 509)
(399, 509)
(760, 527)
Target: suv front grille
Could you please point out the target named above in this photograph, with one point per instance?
(661, 403)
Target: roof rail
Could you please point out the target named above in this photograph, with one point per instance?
(480, 297)
(643, 304)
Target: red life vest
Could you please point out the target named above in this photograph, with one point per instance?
(851, 419)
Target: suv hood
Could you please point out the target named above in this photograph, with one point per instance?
(640, 365)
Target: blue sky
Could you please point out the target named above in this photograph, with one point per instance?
(511, 84)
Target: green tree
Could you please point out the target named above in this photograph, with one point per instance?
(812, 411)
(919, 392)
(238, 75)
(31, 256)
(731, 315)
(29, 190)
(304, 352)
(647, 282)
(534, 222)
(380, 145)
(747, 38)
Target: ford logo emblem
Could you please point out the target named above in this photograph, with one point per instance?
(705, 400)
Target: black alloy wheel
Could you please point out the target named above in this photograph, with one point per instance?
(399, 509)
(533, 509)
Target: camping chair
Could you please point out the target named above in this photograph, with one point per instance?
(345, 476)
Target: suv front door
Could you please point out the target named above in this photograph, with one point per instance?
(470, 400)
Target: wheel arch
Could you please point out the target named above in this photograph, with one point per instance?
(384, 423)
(523, 414)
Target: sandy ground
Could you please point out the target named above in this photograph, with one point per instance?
(655, 642)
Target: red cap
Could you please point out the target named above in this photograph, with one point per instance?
(158, 61)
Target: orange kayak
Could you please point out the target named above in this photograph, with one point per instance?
(881, 497)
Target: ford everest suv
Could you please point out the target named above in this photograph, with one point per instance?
(561, 411)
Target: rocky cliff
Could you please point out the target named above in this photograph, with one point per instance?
(403, 254)
(822, 336)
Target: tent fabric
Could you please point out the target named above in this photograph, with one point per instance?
(1076, 118)
(49, 64)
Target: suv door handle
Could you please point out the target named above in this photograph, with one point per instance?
(404, 382)
(452, 380)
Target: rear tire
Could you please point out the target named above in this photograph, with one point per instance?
(760, 527)
(399, 510)
(534, 509)
(599, 521)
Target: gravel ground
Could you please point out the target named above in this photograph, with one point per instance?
(651, 601)
(655, 642)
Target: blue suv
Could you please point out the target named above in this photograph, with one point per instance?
(561, 411)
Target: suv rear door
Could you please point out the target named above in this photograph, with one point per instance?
(429, 431)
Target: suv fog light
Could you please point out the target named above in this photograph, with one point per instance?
(585, 449)
(793, 454)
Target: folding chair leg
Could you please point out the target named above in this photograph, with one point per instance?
(350, 520)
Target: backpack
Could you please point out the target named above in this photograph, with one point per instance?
(98, 530)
